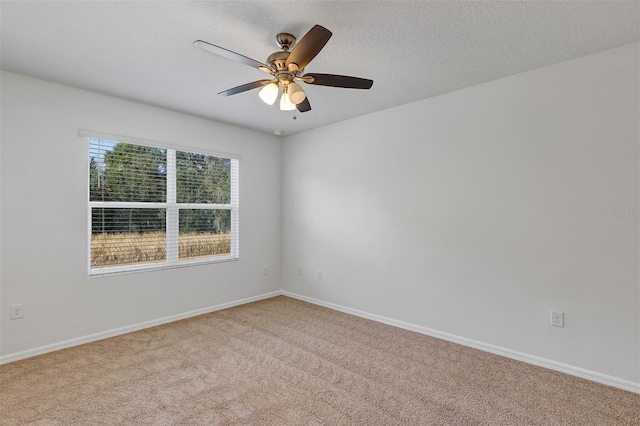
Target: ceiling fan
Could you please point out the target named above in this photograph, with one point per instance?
(286, 67)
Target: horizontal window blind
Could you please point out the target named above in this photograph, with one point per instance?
(153, 207)
(127, 172)
(121, 237)
(203, 233)
(202, 179)
(235, 207)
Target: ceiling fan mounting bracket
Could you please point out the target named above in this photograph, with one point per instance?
(285, 41)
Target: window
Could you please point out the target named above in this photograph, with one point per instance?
(153, 207)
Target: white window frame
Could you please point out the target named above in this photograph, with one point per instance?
(171, 206)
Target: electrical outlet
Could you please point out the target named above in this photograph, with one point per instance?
(557, 319)
(319, 274)
(265, 270)
(299, 270)
(17, 311)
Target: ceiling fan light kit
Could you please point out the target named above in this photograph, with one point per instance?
(285, 102)
(296, 94)
(269, 93)
(286, 67)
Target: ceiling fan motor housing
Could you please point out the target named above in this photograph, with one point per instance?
(278, 60)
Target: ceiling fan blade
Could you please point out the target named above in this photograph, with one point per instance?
(308, 47)
(245, 87)
(335, 80)
(304, 106)
(232, 55)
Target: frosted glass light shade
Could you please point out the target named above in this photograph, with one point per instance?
(296, 94)
(286, 104)
(269, 93)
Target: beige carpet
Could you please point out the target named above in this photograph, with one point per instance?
(286, 362)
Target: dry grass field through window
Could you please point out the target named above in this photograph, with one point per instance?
(150, 247)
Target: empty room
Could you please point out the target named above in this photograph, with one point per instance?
(319, 212)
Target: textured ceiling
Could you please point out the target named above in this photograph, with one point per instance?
(143, 51)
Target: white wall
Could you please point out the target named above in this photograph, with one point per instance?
(478, 212)
(44, 216)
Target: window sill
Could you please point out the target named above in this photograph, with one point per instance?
(108, 272)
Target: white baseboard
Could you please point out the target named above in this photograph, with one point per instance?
(508, 353)
(128, 329)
